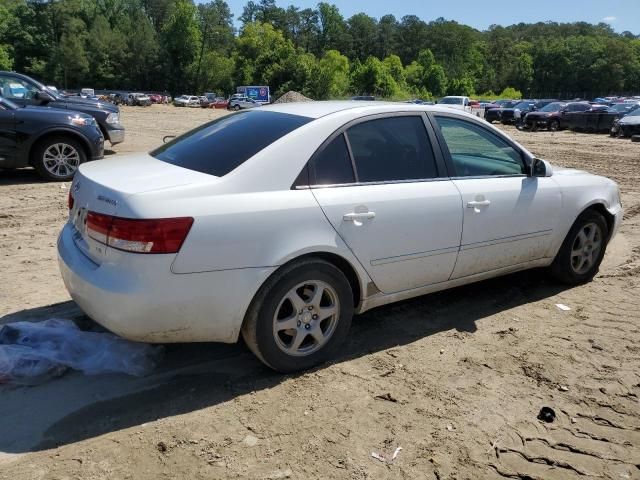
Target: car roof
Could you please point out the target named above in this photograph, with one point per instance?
(324, 108)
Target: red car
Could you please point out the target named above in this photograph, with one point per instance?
(155, 98)
(219, 102)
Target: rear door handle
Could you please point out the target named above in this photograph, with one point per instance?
(480, 203)
(356, 217)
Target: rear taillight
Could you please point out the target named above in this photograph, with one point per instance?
(161, 235)
(70, 200)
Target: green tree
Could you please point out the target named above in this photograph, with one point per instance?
(180, 37)
(372, 78)
(331, 76)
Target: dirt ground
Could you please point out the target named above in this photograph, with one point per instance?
(456, 378)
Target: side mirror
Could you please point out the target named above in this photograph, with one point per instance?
(541, 168)
(167, 138)
(44, 97)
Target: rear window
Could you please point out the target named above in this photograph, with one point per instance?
(218, 147)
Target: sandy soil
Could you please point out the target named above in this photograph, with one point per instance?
(456, 379)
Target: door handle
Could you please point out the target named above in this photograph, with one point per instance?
(356, 217)
(478, 203)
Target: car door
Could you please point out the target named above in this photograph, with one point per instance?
(509, 217)
(380, 184)
(8, 136)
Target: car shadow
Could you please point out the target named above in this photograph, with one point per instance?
(196, 376)
(20, 176)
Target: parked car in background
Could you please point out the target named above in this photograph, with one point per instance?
(156, 98)
(53, 141)
(623, 108)
(555, 115)
(628, 125)
(136, 253)
(207, 99)
(516, 114)
(186, 101)
(139, 100)
(494, 114)
(457, 102)
(366, 98)
(106, 114)
(240, 103)
(219, 102)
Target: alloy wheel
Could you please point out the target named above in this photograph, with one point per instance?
(61, 159)
(306, 318)
(586, 248)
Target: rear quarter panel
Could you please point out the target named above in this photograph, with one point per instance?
(245, 230)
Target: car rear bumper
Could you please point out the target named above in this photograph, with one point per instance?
(137, 297)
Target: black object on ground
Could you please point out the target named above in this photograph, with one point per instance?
(547, 414)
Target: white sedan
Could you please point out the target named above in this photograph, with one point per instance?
(282, 222)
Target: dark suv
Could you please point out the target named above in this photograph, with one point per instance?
(53, 141)
(554, 116)
(23, 90)
(516, 114)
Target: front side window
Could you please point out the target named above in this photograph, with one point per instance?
(16, 89)
(218, 147)
(476, 151)
(394, 148)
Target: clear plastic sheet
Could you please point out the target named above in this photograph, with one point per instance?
(32, 353)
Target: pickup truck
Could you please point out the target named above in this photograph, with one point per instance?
(457, 102)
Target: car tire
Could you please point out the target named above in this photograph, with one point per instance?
(236, 107)
(554, 125)
(58, 158)
(288, 337)
(583, 249)
(635, 138)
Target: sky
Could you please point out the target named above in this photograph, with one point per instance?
(620, 14)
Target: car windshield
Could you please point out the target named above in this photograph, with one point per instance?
(218, 147)
(552, 107)
(635, 113)
(451, 101)
(620, 107)
(523, 105)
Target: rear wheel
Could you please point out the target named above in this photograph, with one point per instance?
(58, 158)
(300, 316)
(236, 107)
(554, 125)
(583, 249)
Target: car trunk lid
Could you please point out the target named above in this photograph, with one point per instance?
(104, 187)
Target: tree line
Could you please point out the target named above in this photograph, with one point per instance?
(183, 47)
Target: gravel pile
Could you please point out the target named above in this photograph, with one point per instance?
(291, 97)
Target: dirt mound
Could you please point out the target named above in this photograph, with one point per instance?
(292, 96)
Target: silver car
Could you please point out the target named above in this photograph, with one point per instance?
(240, 103)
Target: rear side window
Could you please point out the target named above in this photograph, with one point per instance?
(218, 147)
(332, 165)
(394, 148)
(578, 107)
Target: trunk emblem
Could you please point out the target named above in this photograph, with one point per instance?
(110, 201)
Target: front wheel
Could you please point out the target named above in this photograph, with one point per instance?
(582, 251)
(300, 316)
(554, 125)
(58, 158)
(236, 107)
